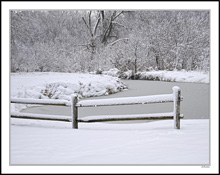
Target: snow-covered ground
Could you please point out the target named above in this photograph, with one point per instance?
(52, 142)
(61, 86)
(172, 76)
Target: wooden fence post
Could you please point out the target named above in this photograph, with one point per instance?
(74, 111)
(176, 117)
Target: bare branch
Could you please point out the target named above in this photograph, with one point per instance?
(108, 30)
(85, 22)
(87, 26)
(95, 27)
(102, 14)
(113, 22)
(90, 25)
(117, 15)
(118, 41)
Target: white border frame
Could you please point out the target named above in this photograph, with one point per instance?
(213, 6)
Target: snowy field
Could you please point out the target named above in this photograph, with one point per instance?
(38, 142)
(152, 143)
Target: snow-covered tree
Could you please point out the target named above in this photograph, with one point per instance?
(79, 41)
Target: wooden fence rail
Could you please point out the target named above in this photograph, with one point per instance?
(174, 97)
(41, 101)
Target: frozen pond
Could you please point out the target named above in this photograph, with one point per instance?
(195, 104)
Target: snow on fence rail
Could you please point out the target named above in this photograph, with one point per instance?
(174, 97)
(41, 116)
(127, 101)
(41, 101)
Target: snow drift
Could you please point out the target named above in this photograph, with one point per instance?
(61, 85)
(171, 76)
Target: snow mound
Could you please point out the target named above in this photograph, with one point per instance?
(171, 76)
(61, 85)
(175, 76)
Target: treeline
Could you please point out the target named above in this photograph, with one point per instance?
(84, 41)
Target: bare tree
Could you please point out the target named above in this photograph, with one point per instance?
(68, 40)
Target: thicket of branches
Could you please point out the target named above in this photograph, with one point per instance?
(80, 41)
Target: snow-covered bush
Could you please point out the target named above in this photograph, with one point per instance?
(62, 85)
(170, 76)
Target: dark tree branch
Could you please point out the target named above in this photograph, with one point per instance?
(95, 27)
(117, 15)
(87, 26)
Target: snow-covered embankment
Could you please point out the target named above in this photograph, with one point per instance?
(61, 85)
(163, 75)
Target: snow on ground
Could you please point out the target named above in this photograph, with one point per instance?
(53, 142)
(61, 86)
(173, 76)
(151, 143)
